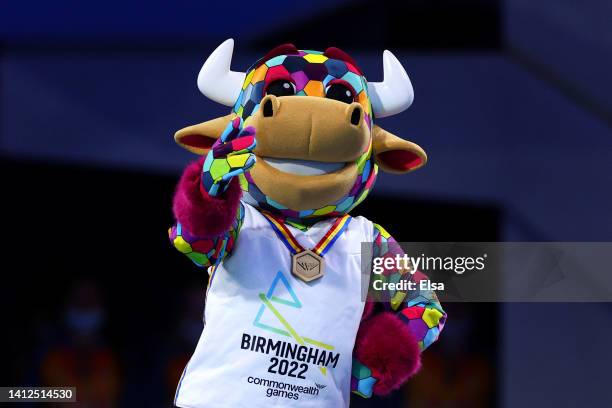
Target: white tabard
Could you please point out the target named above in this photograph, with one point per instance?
(271, 339)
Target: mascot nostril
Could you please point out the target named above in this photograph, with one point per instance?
(356, 116)
(268, 109)
(266, 211)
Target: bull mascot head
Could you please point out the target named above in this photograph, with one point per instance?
(318, 150)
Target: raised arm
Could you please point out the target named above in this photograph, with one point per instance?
(206, 204)
(394, 333)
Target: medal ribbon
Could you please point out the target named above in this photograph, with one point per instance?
(287, 238)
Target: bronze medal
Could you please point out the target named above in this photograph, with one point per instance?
(307, 265)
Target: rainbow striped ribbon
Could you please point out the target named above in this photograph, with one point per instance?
(324, 244)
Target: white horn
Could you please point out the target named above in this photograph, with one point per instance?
(394, 94)
(216, 81)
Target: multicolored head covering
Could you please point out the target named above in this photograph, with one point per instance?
(311, 72)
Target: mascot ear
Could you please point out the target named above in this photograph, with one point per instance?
(396, 155)
(199, 138)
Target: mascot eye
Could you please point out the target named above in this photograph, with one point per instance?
(340, 93)
(281, 88)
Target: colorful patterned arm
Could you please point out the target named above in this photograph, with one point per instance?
(420, 310)
(206, 204)
(389, 342)
(206, 251)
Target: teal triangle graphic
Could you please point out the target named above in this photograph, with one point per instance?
(294, 302)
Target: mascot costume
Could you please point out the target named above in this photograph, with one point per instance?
(266, 211)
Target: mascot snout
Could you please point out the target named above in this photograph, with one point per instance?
(310, 128)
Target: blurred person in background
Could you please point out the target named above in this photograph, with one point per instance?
(81, 358)
(186, 336)
(458, 373)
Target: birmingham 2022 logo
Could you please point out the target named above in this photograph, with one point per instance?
(322, 354)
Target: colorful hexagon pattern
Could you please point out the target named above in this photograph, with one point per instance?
(310, 71)
(204, 251)
(362, 380)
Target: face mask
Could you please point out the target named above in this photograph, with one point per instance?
(84, 321)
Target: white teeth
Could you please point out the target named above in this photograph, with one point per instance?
(303, 167)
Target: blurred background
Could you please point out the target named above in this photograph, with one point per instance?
(512, 104)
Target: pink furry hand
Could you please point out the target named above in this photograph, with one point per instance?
(387, 347)
(201, 214)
